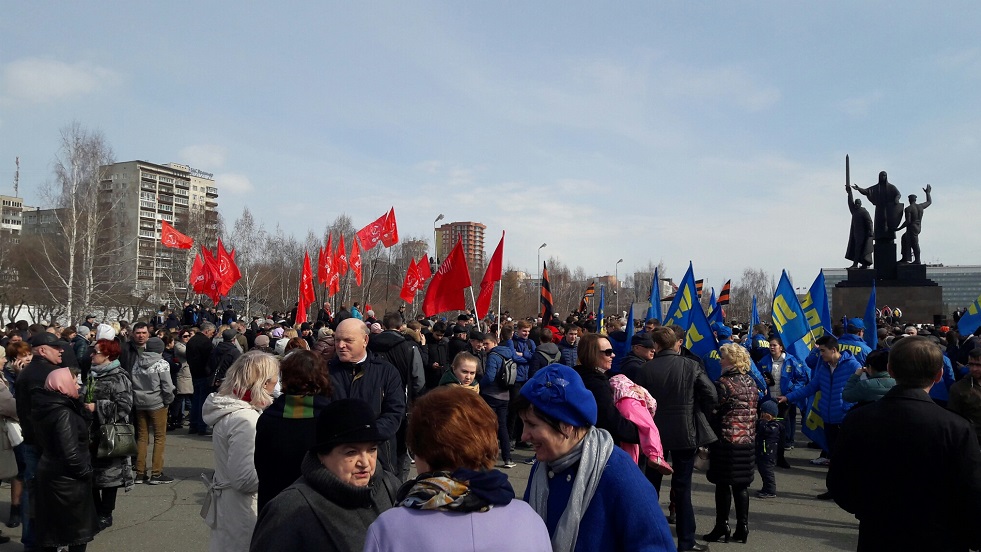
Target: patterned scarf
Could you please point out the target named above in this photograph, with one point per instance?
(460, 491)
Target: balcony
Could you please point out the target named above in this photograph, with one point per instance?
(211, 191)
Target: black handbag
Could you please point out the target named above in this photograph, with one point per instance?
(116, 440)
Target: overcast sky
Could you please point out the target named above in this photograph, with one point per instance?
(711, 131)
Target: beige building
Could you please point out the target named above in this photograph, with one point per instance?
(142, 195)
(11, 214)
(472, 234)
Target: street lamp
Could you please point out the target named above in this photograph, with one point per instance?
(435, 243)
(538, 264)
(616, 276)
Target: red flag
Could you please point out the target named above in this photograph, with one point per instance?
(334, 282)
(390, 232)
(212, 281)
(425, 272)
(445, 291)
(197, 275)
(306, 290)
(170, 237)
(321, 276)
(371, 234)
(492, 275)
(228, 269)
(340, 260)
(411, 284)
(356, 261)
(326, 264)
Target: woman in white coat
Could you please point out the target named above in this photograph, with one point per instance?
(230, 505)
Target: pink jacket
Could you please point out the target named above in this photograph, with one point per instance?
(637, 405)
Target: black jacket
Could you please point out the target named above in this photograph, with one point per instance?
(404, 355)
(607, 415)
(376, 382)
(685, 397)
(631, 362)
(198, 353)
(437, 351)
(31, 377)
(880, 446)
(223, 355)
(64, 510)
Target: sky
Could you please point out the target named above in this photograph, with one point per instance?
(710, 132)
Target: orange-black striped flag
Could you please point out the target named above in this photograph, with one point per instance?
(698, 287)
(584, 302)
(724, 296)
(545, 299)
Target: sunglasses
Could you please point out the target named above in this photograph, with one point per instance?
(185, 335)
(607, 352)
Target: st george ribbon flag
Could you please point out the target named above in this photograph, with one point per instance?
(445, 291)
(545, 310)
(491, 276)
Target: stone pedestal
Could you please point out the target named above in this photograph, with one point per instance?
(884, 255)
(918, 303)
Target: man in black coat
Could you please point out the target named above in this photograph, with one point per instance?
(198, 353)
(357, 373)
(685, 395)
(437, 347)
(882, 445)
(641, 351)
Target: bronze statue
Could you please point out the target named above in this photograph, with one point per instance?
(888, 208)
(911, 238)
(860, 237)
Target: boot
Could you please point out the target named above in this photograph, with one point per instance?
(741, 497)
(13, 520)
(723, 501)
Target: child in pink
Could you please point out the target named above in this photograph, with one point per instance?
(638, 406)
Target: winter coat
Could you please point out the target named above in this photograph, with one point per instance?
(183, 384)
(858, 390)
(514, 527)
(376, 382)
(793, 374)
(455, 346)
(449, 378)
(832, 406)
(230, 508)
(439, 361)
(31, 377)
(324, 346)
(631, 362)
(152, 388)
(568, 352)
(608, 417)
(199, 350)
(527, 349)
(223, 355)
(965, 399)
(62, 497)
(488, 383)
(545, 354)
(609, 522)
(321, 513)
(732, 459)
(283, 435)
(685, 397)
(112, 393)
(404, 355)
(769, 439)
(855, 345)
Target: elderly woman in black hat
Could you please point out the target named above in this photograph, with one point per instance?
(588, 491)
(340, 492)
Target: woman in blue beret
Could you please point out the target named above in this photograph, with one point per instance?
(589, 492)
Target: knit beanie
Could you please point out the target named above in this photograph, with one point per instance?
(558, 391)
(769, 407)
(154, 345)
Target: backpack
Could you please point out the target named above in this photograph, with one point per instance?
(507, 373)
(550, 359)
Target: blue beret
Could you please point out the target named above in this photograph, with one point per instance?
(558, 391)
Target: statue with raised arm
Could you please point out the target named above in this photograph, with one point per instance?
(888, 207)
(860, 236)
(911, 238)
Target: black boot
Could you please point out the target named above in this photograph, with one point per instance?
(723, 501)
(13, 520)
(741, 497)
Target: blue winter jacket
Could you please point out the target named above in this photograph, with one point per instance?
(854, 345)
(793, 375)
(940, 390)
(488, 383)
(527, 348)
(568, 353)
(831, 407)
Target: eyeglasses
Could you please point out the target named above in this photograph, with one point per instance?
(607, 352)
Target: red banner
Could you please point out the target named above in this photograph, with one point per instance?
(356, 261)
(390, 232)
(170, 237)
(371, 234)
(411, 284)
(445, 291)
(491, 276)
(340, 260)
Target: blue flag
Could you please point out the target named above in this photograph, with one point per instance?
(600, 318)
(684, 298)
(971, 319)
(655, 310)
(789, 320)
(871, 333)
(712, 301)
(715, 317)
(623, 349)
(700, 339)
(754, 317)
(816, 307)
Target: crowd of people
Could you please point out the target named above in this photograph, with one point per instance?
(316, 426)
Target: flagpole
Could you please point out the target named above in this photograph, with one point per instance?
(474, 299)
(500, 290)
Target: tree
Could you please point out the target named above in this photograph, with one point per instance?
(754, 282)
(248, 238)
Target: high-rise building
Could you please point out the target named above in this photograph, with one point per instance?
(472, 234)
(11, 214)
(141, 195)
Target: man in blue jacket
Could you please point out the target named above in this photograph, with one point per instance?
(853, 340)
(496, 396)
(831, 373)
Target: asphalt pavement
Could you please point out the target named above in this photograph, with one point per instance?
(167, 517)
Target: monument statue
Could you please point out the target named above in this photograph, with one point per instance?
(860, 237)
(911, 238)
(888, 207)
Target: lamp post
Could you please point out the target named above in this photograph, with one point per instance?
(538, 264)
(435, 243)
(616, 276)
